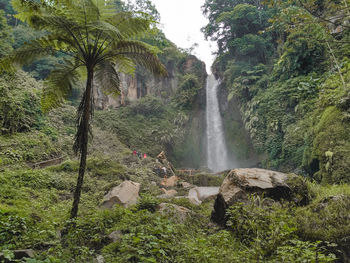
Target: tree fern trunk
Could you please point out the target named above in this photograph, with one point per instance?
(84, 144)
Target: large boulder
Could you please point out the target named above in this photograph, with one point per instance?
(125, 194)
(198, 194)
(239, 184)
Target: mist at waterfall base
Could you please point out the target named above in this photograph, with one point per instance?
(217, 155)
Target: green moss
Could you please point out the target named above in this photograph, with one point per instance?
(332, 136)
(326, 220)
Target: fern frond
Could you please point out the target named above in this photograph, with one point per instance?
(25, 55)
(108, 78)
(107, 9)
(106, 29)
(124, 64)
(131, 26)
(141, 54)
(59, 84)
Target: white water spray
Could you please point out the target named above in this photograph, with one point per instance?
(217, 159)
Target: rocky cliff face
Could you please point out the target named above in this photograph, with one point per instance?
(144, 83)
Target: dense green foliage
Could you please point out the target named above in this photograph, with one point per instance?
(294, 101)
(99, 40)
(34, 206)
(5, 35)
(19, 103)
(291, 86)
(150, 126)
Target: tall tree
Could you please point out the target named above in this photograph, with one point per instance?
(96, 38)
(216, 29)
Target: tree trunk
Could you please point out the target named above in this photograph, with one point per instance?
(83, 150)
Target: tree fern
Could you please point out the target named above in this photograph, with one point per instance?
(94, 36)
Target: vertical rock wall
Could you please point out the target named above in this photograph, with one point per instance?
(135, 87)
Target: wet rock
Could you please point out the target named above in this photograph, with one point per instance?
(240, 183)
(125, 194)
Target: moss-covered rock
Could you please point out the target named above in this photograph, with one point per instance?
(327, 220)
(331, 147)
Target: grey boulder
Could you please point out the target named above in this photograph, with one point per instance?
(125, 194)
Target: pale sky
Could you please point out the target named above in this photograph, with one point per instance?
(181, 21)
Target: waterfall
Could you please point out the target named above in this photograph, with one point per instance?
(217, 159)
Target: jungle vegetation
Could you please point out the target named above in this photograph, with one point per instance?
(285, 62)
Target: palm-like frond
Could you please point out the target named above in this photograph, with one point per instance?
(129, 25)
(108, 78)
(25, 55)
(124, 64)
(60, 83)
(140, 53)
(105, 29)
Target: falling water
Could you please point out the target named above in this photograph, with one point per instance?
(216, 148)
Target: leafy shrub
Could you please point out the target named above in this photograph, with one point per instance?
(19, 103)
(148, 106)
(12, 228)
(66, 166)
(147, 238)
(204, 179)
(148, 202)
(29, 147)
(303, 251)
(303, 53)
(106, 167)
(270, 230)
(331, 146)
(187, 91)
(326, 220)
